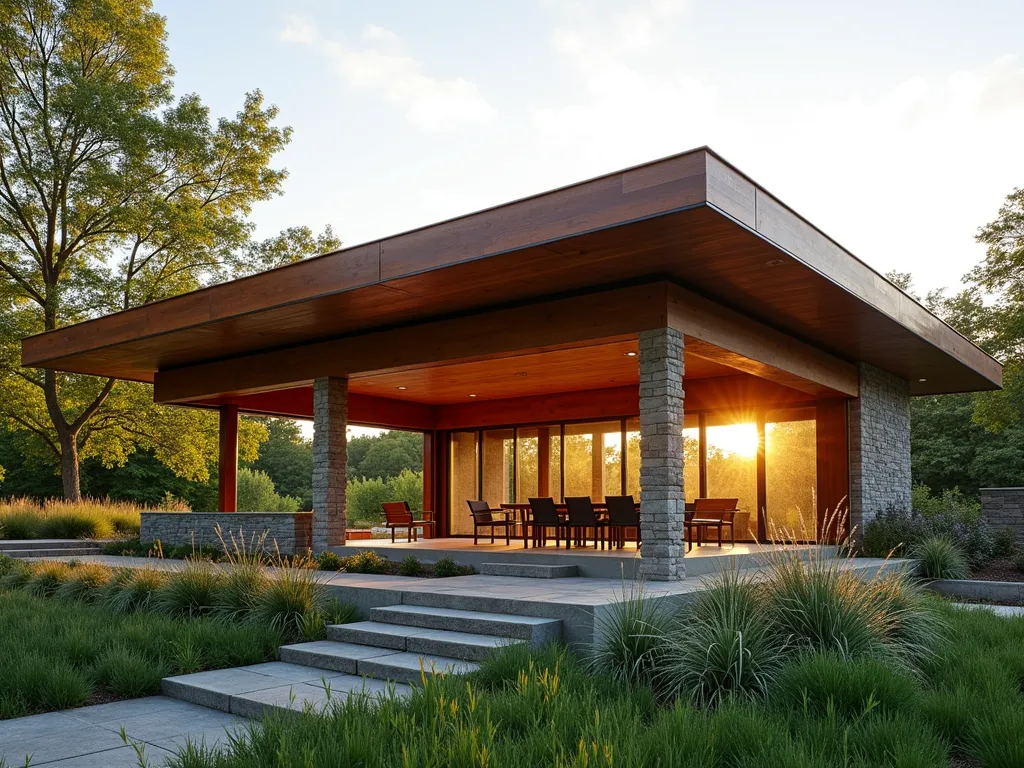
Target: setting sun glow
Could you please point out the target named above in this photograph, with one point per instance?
(736, 439)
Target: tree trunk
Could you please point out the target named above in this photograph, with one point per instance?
(69, 466)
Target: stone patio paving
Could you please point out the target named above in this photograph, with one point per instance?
(90, 737)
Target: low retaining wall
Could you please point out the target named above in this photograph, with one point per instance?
(996, 591)
(293, 532)
(1004, 508)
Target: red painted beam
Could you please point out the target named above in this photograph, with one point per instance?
(227, 464)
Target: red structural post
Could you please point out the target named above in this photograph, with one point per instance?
(227, 483)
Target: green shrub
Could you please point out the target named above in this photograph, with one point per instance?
(891, 531)
(6, 564)
(725, 645)
(192, 591)
(366, 561)
(293, 594)
(410, 566)
(329, 561)
(630, 638)
(256, 493)
(1004, 542)
(939, 558)
(446, 567)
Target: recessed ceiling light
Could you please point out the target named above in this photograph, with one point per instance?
(774, 262)
(472, 395)
(922, 379)
(401, 387)
(631, 354)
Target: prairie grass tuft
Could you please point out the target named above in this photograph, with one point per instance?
(46, 577)
(288, 597)
(192, 591)
(940, 558)
(239, 591)
(630, 637)
(139, 591)
(84, 583)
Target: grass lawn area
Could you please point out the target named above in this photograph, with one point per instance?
(57, 654)
(547, 709)
(55, 519)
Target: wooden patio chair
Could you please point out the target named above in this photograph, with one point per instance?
(581, 517)
(544, 515)
(717, 514)
(622, 514)
(484, 517)
(398, 515)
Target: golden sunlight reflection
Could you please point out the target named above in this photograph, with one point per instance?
(735, 439)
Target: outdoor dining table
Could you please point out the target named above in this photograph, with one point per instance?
(519, 513)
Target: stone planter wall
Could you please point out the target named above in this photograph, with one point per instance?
(1004, 508)
(293, 532)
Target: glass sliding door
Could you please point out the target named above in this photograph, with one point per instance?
(463, 485)
(538, 463)
(791, 474)
(731, 454)
(593, 460)
(498, 450)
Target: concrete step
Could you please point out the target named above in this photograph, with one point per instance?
(529, 570)
(467, 646)
(64, 552)
(409, 668)
(535, 631)
(10, 544)
(384, 664)
(275, 686)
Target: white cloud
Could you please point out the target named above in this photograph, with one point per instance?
(429, 103)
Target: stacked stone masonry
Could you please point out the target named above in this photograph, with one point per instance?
(662, 500)
(1004, 508)
(292, 533)
(879, 446)
(330, 422)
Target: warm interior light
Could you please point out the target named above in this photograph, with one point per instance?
(737, 439)
(401, 387)
(472, 395)
(631, 354)
(922, 379)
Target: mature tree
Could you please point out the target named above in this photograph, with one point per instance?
(287, 458)
(112, 195)
(385, 455)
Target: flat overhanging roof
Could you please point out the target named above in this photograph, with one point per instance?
(690, 218)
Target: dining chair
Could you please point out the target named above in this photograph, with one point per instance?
(484, 517)
(398, 515)
(622, 514)
(582, 516)
(544, 515)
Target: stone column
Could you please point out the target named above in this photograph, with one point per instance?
(662, 501)
(879, 446)
(330, 457)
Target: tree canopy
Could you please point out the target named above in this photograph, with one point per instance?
(114, 194)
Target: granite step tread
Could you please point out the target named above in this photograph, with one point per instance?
(410, 667)
(332, 655)
(529, 570)
(469, 646)
(254, 690)
(532, 629)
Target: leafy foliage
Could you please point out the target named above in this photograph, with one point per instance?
(256, 494)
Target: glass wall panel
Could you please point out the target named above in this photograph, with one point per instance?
(732, 462)
(499, 466)
(538, 465)
(791, 474)
(464, 474)
(593, 459)
(691, 457)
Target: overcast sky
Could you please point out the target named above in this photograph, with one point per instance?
(897, 127)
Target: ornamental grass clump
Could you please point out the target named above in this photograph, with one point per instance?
(46, 577)
(192, 591)
(938, 557)
(630, 637)
(724, 646)
(139, 591)
(84, 583)
(239, 591)
(291, 595)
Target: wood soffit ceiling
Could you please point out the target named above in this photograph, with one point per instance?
(692, 218)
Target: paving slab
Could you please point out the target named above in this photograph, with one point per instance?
(409, 667)
(457, 645)
(121, 757)
(332, 655)
(534, 629)
(998, 610)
